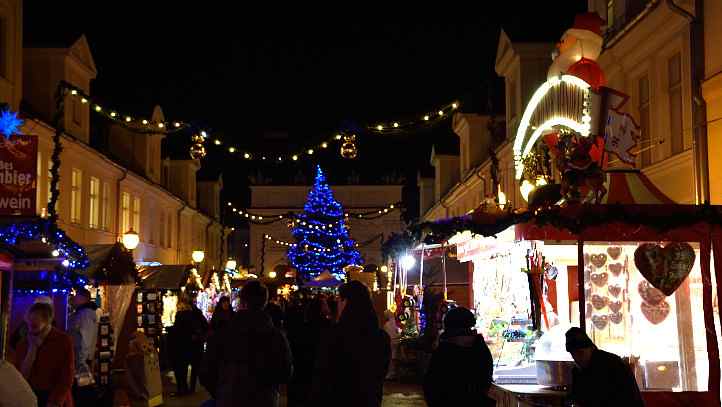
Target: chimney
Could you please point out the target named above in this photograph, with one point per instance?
(474, 139)
(209, 197)
(426, 193)
(446, 174)
(140, 152)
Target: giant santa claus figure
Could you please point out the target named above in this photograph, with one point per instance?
(578, 50)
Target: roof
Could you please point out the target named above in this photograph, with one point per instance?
(168, 277)
(111, 264)
(632, 187)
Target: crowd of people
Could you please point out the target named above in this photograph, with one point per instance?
(327, 350)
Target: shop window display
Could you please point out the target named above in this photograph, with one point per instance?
(662, 336)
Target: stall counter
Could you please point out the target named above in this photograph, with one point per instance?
(526, 395)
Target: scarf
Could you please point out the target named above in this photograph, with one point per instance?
(34, 343)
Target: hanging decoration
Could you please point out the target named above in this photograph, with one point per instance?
(665, 267)
(198, 149)
(267, 219)
(9, 123)
(349, 150)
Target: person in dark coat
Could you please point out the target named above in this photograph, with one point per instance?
(597, 369)
(354, 356)
(222, 314)
(188, 335)
(248, 360)
(274, 310)
(304, 339)
(461, 367)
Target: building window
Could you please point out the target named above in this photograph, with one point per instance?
(105, 216)
(170, 231)
(94, 198)
(50, 178)
(646, 139)
(125, 213)
(674, 68)
(75, 195)
(136, 214)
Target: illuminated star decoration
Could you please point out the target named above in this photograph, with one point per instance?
(9, 123)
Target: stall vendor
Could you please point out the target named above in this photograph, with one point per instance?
(600, 379)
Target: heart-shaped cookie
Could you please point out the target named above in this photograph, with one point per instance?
(615, 317)
(655, 313)
(614, 252)
(599, 301)
(599, 260)
(600, 321)
(615, 290)
(665, 267)
(615, 306)
(600, 279)
(650, 294)
(615, 268)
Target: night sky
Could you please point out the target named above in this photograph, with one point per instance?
(274, 82)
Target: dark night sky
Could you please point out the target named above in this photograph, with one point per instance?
(246, 73)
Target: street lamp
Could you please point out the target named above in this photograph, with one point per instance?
(231, 264)
(408, 261)
(198, 256)
(130, 239)
(271, 274)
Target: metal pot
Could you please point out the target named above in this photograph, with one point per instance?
(554, 373)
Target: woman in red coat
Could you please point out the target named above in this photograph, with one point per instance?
(45, 358)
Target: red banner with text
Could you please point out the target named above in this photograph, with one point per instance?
(18, 175)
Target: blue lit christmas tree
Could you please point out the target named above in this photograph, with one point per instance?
(322, 240)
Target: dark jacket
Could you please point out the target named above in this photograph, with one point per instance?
(460, 373)
(606, 371)
(247, 361)
(188, 334)
(221, 319)
(351, 366)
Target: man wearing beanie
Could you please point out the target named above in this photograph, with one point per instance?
(460, 371)
(600, 379)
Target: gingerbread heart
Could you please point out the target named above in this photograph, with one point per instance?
(600, 279)
(600, 321)
(665, 267)
(650, 294)
(615, 268)
(615, 290)
(614, 252)
(615, 306)
(655, 313)
(599, 260)
(599, 301)
(615, 317)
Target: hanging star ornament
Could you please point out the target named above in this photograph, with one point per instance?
(9, 123)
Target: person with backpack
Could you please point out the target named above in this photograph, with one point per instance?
(248, 360)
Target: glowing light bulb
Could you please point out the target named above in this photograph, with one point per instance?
(144, 121)
(441, 112)
(161, 125)
(98, 108)
(338, 137)
(218, 142)
(83, 100)
(128, 119)
(426, 118)
(396, 124)
(379, 127)
(324, 144)
(294, 157)
(73, 92)
(310, 151)
(204, 134)
(526, 188)
(391, 206)
(176, 124)
(113, 114)
(231, 149)
(454, 105)
(246, 156)
(280, 159)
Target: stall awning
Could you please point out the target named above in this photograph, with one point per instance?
(110, 264)
(631, 187)
(166, 277)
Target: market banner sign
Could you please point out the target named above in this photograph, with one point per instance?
(18, 175)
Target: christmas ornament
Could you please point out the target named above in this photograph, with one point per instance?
(599, 260)
(614, 252)
(9, 123)
(600, 279)
(655, 314)
(650, 294)
(600, 321)
(198, 150)
(615, 290)
(599, 301)
(615, 317)
(615, 268)
(665, 267)
(615, 306)
(349, 150)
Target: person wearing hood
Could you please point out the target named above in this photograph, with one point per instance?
(83, 328)
(460, 371)
(248, 360)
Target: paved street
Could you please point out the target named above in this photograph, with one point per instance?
(395, 394)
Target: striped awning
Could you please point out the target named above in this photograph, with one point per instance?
(630, 186)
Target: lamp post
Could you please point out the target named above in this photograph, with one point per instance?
(231, 264)
(130, 240)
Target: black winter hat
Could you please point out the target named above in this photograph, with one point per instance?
(458, 321)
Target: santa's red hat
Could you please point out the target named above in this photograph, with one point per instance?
(587, 26)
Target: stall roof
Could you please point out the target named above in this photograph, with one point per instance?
(168, 277)
(110, 263)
